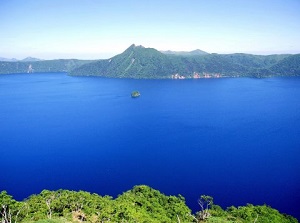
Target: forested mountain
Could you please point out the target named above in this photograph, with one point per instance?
(289, 66)
(134, 62)
(140, 204)
(30, 65)
(140, 62)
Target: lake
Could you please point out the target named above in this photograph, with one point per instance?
(236, 139)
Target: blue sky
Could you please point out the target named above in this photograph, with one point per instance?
(95, 29)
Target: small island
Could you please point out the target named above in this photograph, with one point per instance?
(135, 94)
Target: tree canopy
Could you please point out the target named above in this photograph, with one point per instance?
(140, 204)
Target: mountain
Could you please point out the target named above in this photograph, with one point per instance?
(8, 59)
(141, 62)
(30, 59)
(148, 63)
(134, 62)
(289, 66)
(185, 53)
(27, 59)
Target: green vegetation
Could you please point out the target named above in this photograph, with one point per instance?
(40, 66)
(140, 62)
(135, 94)
(140, 204)
(135, 62)
(289, 66)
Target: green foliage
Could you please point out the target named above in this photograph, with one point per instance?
(259, 214)
(10, 209)
(135, 94)
(56, 220)
(144, 204)
(49, 204)
(205, 203)
(140, 204)
(289, 66)
(41, 66)
(248, 214)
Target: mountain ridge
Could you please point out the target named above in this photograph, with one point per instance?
(31, 59)
(141, 62)
(185, 53)
(27, 59)
(148, 63)
(60, 65)
(8, 59)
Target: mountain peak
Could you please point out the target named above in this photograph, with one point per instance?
(198, 51)
(31, 59)
(133, 46)
(139, 50)
(186, 53)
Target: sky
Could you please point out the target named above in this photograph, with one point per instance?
(99, 29)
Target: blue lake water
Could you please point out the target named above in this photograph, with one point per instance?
(236, 139)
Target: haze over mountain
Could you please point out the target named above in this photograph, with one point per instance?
(8, 59)
(27, 59)
(185, 53)
(30, 59)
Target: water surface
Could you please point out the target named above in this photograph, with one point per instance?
(234, 139)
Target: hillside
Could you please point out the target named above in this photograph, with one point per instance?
(289, 66)
(140, 204)
(140, 62)
(134, 62)
(148, 63)
(35, 65)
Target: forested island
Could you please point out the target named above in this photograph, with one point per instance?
(148, 63)
(140, 204)
(135, 94)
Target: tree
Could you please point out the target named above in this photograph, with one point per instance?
(205, 203)
(10, 208)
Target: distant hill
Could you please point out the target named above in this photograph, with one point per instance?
(8, 59)
(289, 66)
(140, 62)
(185, 53)
(31, 59)
(40, 66)
(27, 59)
